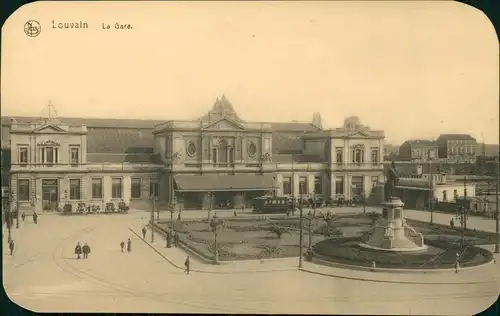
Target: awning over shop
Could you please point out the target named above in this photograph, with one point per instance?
(206, 183)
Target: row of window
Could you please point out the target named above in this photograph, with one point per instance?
(357, 155)
(455, 194)
(49, 155)
(97, 189)
(287, 185)
(357, 185)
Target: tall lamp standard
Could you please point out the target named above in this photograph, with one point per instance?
(8, 212)
(152, 198)
(215, 224)
(431, 187)
(497, 162)
(301, 235)
(310, 217)
(17, 207)
(171, 209)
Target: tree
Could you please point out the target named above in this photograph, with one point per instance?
(279, 230)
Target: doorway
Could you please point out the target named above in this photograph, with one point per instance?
(50, 194)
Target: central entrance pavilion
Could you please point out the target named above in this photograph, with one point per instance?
(222, 191)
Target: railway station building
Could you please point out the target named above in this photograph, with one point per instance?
(217, 160)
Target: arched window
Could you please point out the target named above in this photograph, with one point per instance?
(223, 151)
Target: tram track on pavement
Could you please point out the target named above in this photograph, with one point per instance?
(80, 274)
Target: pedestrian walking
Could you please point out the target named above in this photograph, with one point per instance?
(129, 245)
(186, 264)
(122, 245)
(78, 250)
(23, 216)
(86, 251)
(11, 246)
(144, 232)
(452, 223)
(35, 217)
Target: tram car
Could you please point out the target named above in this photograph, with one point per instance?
(269, 204)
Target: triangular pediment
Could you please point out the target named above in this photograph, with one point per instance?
(224, 124)
(50, 129)
(358, 134)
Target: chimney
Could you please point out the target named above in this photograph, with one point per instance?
(419, 170)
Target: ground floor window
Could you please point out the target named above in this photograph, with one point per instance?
(74, 189)
(116, 188)
(287, 186)
(339, 185)
(97, 188)
(24, 190)
(135, 188)
(357, 185)
(303, 185)
(318, 185)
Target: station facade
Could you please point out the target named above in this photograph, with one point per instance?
(218, 160)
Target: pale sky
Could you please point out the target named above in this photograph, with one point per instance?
(413, 69)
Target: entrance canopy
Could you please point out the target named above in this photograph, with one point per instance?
(213, 182)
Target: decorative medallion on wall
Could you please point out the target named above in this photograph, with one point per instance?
(191, 149)
(252, 149)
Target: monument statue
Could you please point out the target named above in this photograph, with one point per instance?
(392, 179)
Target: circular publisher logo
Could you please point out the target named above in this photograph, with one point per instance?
(32, 28)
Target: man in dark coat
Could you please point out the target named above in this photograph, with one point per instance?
(186, 264)
(144, 232)
(23, 216)
(35, 218)
(129, 245)
(78, 250)
(11, 246)
(122, 245)
(86, 251)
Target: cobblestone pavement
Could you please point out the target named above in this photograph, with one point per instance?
(43, 275)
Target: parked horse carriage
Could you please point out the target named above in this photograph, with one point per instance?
(110, 207)
(123, 207)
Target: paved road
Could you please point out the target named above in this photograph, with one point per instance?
(43, 275)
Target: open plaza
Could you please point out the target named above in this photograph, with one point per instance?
(43, 273)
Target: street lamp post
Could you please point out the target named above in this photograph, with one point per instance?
(152, 218)
(9, 216)
(215, 224)
(431, 187)
(497, 162)
(310, 217)
(301, 233)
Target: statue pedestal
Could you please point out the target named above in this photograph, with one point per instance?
(391, 233)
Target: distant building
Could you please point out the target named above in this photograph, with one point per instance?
(418, 190)
(457, 147)
(418, 150)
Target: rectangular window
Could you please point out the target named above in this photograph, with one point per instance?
(23, 155)
(135, 188)
(374, 156)
(97, 188)
(153, 187)
(340, 155)
(75, 155)
(23, 189)
(318, 185)
(358, 186)
(445, 198)
(74, 189)
(214, 155)
(116, 188)
(455, 194)
(339, 185)
(50, 155)
(302, 185)
(287, 186)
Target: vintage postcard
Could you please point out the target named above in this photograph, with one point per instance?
(295, 157)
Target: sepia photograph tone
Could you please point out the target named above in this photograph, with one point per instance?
(301, 157)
